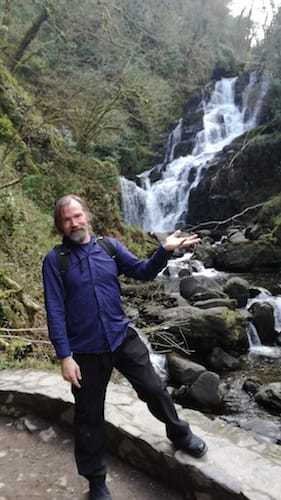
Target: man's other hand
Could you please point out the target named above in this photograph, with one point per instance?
(71, 371)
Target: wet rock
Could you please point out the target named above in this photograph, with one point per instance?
(269, 396)
(237, 288)
(192, 285)
(206, 393)
(278, 339)
(263, 430)
(182, 370)
(264, 321)
(236, 236)
(251, 385)
(236, 180)
(220, 361)
(253, 231)
(247, 256)
(203, 329)
(221, 326)
(205, 252)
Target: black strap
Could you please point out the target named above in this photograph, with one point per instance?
(107, 246)
(63, 252)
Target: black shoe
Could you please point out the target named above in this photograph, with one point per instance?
(99, 491)
(193, 445)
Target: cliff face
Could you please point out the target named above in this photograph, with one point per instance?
(244, 174)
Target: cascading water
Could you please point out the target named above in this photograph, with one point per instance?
(158, 206)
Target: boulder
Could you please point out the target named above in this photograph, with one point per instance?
(251, 385)
(237, 288)
(205, 253)
(206, 393)
(182, 371)
(203, 329)
(191, 285)
(221, 361)
(247, 256)
(269, 396)
(236, 236)
(264, 322)
(217, 327)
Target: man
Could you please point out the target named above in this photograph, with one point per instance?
(91, 335)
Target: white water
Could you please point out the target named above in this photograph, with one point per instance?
(253, 336)
(159, 206)
(255, 346)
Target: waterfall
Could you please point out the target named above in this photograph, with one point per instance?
(252, 334)
(158, 206)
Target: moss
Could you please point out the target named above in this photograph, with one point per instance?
(228, 326)
(270, 214)
(14, 100)
(7, 130)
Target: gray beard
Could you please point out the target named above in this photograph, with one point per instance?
(78, 237)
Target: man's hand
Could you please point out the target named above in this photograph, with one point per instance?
(174, 241)
(71, 371)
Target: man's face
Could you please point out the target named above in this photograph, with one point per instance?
(75, 223)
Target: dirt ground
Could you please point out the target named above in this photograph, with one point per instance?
(36, 461)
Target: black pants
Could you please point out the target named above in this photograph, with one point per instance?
(132, 360)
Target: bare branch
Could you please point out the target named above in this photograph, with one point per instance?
(218, 223)
(11, 183)
(16, 337)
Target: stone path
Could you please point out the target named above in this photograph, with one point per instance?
(235, 467)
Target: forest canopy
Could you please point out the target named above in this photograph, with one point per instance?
(117, 74)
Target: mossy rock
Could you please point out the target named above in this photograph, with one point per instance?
(270, 214)
(247, 256)
(217, 327)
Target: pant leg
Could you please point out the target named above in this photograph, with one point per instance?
(90, 439)
(133, 361)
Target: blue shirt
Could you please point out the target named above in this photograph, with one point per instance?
(84, 310)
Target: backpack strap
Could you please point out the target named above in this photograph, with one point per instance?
(63, 252)
(107, 246)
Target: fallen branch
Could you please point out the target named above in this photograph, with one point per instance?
(11, 183)
(218, 223)
(42, 329)
(17, 337)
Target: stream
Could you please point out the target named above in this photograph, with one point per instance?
(160, 205)
(261, 362)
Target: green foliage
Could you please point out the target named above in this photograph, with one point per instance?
(270, 214)
(117, 73)
(269, 58)
(7, 220)
(7, 131)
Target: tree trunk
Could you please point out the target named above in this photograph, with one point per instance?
(28, 37)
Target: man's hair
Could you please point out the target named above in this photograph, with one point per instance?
(64, 201)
